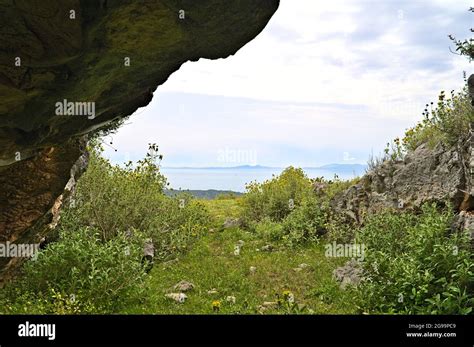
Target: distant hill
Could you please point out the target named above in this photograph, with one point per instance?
(241, 167)
(334, 167)
(201, 194)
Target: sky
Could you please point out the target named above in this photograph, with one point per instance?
(325, 82)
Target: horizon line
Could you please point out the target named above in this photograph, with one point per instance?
(262, 166)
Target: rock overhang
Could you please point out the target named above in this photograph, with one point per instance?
(113, 53)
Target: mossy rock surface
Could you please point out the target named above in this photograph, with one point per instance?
(83, 59)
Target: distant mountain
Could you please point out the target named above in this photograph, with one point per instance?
(334, 167)
(201, 194)
(241, 167)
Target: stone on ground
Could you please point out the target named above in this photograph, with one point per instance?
(184, 286)
(178, 297)
(232, 223)
(348, 275)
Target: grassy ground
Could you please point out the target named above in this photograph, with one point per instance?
(221, 209)
(217, 273)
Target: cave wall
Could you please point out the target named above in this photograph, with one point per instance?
(84, 59)
(113, 53)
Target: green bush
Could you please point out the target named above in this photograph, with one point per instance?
(416, 264)
(114, 199)
(446, 123)
(276, 198)
(98, 257)
(340, 229)
(305, 223)
(285, 208)
(80, 273)
(337, 227)
(269, 230)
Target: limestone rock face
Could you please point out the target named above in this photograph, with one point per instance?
(440, 174)
(425, 175)
(112, 53)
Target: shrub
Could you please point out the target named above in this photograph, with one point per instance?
(276, 198)
(114, 199)
(269, 230)
(446, 123)
(305, 223)
(339, 229)
(181, 220)
(415, 264)
(81, 273)
(288, 199)
(101, 237)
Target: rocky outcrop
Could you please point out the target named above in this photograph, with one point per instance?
(444, 174)
(55, 169)
(32, 193)
(425, 175)
(105, 56)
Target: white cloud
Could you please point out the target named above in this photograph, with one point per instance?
(322, 63)
(345, 75)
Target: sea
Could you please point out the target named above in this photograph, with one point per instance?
(235, 179)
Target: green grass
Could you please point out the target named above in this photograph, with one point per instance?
(221, 209)
(211, 264)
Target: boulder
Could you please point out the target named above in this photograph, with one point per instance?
(178, 297)
(350, 274)
(184, 286)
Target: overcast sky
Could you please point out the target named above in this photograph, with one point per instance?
(325, 82)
